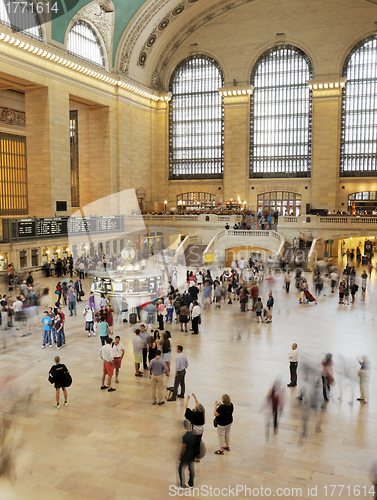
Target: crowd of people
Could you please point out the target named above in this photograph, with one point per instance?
(242, 284)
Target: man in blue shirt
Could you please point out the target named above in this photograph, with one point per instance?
(46, 322)
(181, 364)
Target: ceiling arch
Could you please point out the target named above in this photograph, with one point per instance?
(159, 31)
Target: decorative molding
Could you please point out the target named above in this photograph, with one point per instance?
(142, 21)
(327, 83)
(12, 117)
(197, 22)
(159, 28)
(236, 90)
(146, 17)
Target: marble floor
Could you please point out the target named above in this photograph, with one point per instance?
(118, 446)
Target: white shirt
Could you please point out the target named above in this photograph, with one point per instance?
(196, 311)
(118, 350)
(106, 353)
(293, 356)
(88, 313)
(17, 306)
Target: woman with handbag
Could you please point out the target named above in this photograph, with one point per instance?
(60, 377)
(223, 421)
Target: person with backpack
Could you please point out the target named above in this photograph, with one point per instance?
(57, 376)
(270, 305)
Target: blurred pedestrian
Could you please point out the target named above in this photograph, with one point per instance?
(327, 375)
(364, 376)
(187, 455)
(274, 406)
(197, 419)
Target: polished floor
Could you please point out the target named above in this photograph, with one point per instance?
(118, 446)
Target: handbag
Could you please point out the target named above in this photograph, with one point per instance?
(67, 379)
(215, 422)
(82, 293)
(199, 319)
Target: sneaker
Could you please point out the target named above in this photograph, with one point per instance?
(161, 403)
(111, 390)
(43, 347)
(170, 399)
(58, 348)
(65, 403)
(104, 387)
(57, 405)
(94, 334)
(51, 346)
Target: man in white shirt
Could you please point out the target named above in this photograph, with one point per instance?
(17, 308)
(106, 353)
(118, 349)
(195, 314)
(89, 320)
(293, 363)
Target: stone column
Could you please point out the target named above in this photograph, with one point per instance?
(236, 142)
(327, 103)
(160, 155)
(48, 151)
(99, 153)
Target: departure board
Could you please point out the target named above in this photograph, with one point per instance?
(52, 227)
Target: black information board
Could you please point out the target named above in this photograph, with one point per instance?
(109, 224)
(26, 228)
(52, 227)
(82, 225)
(22, 229)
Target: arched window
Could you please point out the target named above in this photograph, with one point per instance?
(358, 151)
(83, 43)
(199, 200)
(21, 17)
(196, 120)
(281, 114)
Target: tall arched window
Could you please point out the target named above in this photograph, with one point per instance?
(358, 151)
(21, 17)
(196, 120)
(281, 114)
(83, 43)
